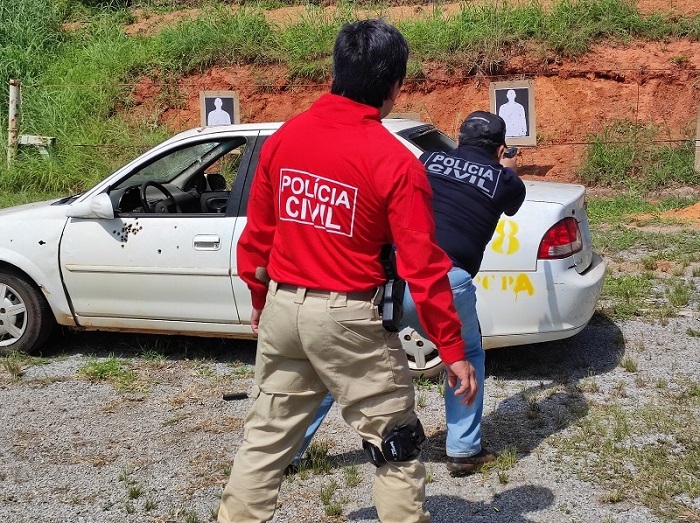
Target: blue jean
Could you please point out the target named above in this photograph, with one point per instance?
(463, 423)
(320, 415)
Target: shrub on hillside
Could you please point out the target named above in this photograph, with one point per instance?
(633, 155)
(30, 31)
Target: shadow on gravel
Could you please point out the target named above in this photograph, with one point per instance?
(67, 342)
(511, 506)
(563, 370)
(553, 377)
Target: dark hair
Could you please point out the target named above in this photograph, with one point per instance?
(369, 56)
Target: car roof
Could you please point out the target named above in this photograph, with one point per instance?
(395, 125)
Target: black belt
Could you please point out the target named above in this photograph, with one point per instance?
(317, 293)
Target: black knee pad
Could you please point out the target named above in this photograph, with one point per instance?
(403, 443)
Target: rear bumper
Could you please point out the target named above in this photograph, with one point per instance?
(555, 302)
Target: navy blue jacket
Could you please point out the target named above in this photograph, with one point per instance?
(470, 192)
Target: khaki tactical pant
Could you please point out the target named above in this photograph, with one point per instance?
(310, 343)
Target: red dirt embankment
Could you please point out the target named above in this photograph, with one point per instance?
(648, 82)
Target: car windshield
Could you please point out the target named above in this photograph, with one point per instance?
(173, 164)
(428, 138)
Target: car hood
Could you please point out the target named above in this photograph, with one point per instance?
(28, 231)
(34, 208)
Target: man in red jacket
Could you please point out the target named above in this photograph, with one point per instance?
(332, 187)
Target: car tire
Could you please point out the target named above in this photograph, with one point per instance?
(26, 320)
(423, 358)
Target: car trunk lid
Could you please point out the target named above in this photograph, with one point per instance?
(516, 240)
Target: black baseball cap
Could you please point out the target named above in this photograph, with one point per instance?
(485, 126)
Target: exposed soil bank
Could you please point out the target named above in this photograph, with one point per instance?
(645, 82)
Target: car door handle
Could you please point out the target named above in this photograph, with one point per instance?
(207, 242)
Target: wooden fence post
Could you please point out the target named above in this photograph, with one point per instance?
(13, 122)
(697, 144)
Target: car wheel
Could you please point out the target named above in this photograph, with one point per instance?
(423, 357)
(25, 317)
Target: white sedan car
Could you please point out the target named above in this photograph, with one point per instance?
(152, 248)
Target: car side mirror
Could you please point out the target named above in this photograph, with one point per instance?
(98, 206)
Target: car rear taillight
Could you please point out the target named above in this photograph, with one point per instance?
(561, 240)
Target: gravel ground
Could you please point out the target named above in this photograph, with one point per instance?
(74, 450)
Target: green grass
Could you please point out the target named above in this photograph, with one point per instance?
(311, 36)
(111, 369)
(15, 363)
(429, 473)
(645, 295)
(637, 248)
(135, 491)
(629, 155)
(13, 367)
(77, 83)
(125, 474)
(628, 295)
(191, 516)
(316, 459)
(217, 36)
(241, 369)
(352, 475)
(652, 261)
(672, 246)
(330, 506)
(629, 364)
(30, 32)
(152, 354)
(627, 206)
(482, 36)
(649, 454)
(679, 292)
(506, 460)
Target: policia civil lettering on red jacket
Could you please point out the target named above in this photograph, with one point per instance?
(332, 187)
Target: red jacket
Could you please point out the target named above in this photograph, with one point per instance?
(332, 186)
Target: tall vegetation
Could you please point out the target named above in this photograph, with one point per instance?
(30, 33)
(636, 156)
(78, 79)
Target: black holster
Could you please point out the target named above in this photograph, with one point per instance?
(391, 308)
(392, 304)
